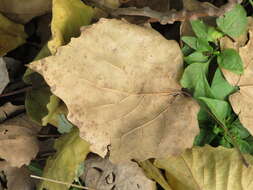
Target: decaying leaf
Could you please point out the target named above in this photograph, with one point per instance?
(18, 141)
(241, 101)
(17, 178)
(23, 11)
(208, 168)
(4, 77)
(101, 174)
(9, 109)
(71, 152)
(120, 84)
(11, 35)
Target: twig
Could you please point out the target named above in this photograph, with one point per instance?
(60, 182)
(16, 92)
(172, 16)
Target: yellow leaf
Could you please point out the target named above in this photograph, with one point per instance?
(12, 35)
(71, 152)
(68, 17)
(154, 173)
(208, 168)
(119, 82)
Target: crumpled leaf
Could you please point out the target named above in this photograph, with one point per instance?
(71, 151)
(120, 84)
(68, 17)
(102, 174)
(208, 168)
(23, 11)
(18, 135)
(4, 77)
(17, 178)
(12, 35)
(241, 101)
(8, 109)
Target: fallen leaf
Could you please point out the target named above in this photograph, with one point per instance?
(154, 173)
(71, 152)
(208, 168)
(100, 173)
(4, 77)
(68, 17)
(120, 84)
(8, 109)
(17, 178)
(23, 11)
(241, 101)
(18, 135)
(11, 35)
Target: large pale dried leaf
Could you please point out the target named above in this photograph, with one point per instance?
(120, 84)
(103, 175)
(4, 77)
(17, 178)
(18, 135)
(71, 152)
(241, 101)
(11, 35)
(24, 10)
(208, 168)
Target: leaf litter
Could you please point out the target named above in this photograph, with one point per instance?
(121, 85)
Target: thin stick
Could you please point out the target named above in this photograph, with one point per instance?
(171, 16)
(16, 92)
(60, 182)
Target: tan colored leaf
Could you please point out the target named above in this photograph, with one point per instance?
(120, 84)
(8, 109)
(102, 174)
(17, 178)
(23, 11)
(18, 141)
(241, 101)
(208, 168)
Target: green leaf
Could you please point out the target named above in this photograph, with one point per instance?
(200, 28)
(71, 152)
(213, 34)
(199, 44)
(233, 23)
(196, 57)
(220, 109)
(230, 59)
(64, 126)
(237, 130)
(194, 79)
(220, 87)
(205, 136)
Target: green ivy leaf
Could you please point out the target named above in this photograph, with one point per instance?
(233, 23)
(194, 79)
(196, 57)
(198, 44)
(220, 87)
(230, 59)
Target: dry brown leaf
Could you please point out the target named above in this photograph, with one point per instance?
(18, 141)
(120, 84)
(23, 11)
(102, 174)
(4, 77)
(17, 178)
(8, 109)
(241, 101)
